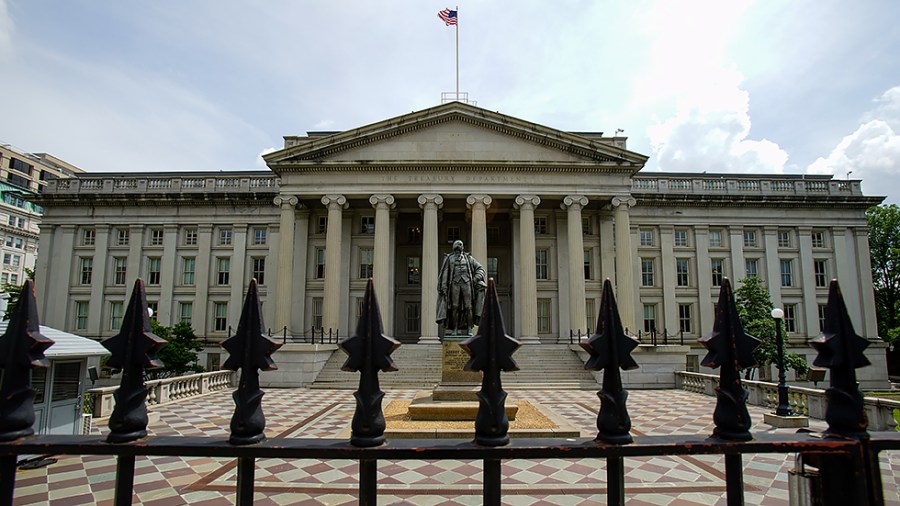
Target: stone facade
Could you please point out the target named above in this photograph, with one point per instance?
(550, 214)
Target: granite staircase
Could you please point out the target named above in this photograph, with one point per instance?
(546, 366)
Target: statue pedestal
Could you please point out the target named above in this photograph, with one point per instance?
(453, 362)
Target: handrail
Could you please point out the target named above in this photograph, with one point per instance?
(159, 391)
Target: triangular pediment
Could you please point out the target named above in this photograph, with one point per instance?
(453, 132)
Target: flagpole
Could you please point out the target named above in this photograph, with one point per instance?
(457, 52)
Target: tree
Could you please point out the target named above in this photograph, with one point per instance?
(755, 310)
(884, 250)
(180, 354)
(14, 291)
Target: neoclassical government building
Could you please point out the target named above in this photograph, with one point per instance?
(549, 213)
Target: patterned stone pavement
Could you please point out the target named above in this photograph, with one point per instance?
(306, 413)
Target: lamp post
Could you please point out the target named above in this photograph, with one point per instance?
(783, 408)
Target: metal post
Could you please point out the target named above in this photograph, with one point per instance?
(682, 337)
(124, 480)
(7, 478)
(491, 492)
(734, 480)
(783, 408)
(368, 482)
(665, 335)
(615, 480)
(285, 333)
(246, 474)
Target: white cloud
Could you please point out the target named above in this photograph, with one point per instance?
(260, 163)
(872, 152)
(6, 33)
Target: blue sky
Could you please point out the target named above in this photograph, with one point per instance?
(765, 86)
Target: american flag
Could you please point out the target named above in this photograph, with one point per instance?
(448, 16)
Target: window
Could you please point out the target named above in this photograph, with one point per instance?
(185, 312)
(589, 316)
(646, 272)
(88, 236)
(259, 270)
(14, 200)
(646, 237)
(818, 239)
(153, 269)
(413, 271)
(4, 277)
(822, 317)
(367, 225)
(188, 265)
(588, 270)
(787, 274)
(365, 263)
(225, 237)
(682, 272)
(87, 268)
(19, 165)
(16, 259)
(493, 234)
(122, 236)
(718, 271)
(7, 258)
(190, 237)
(751, 267)
(359, 307)
(715, 238)
(153, 308)
(413, 316)
(115, 315)
(156, 237)
(81, 315)
(320, 263)
(223, 266)
(414, 235)
(586, 225)
(453, 234)
(820, 273)
(220, 318)
(681, 237)
(317, 312)
(543, 316)
(322, 225)
(14, 278)
(750, 239)
(784, 238)
(493, 268)
(541, 267)
(790, 318)
(649, 318)
(540, 225)
(684, 318)
(19, 244)
(119, 269)
(259, 235)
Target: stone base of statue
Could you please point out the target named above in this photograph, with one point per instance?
(453, 362)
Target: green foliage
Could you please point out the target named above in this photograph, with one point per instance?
(755, 310)
(884, 250)
(180, 354)
(14, 291)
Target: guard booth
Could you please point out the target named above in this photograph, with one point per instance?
(59, 389)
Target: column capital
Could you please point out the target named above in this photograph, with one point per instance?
(332, 201)
(478, 199)
(430, 198)
(576, 202)
(286, 200)
(527, 201)
(626, 201)
(382, 199)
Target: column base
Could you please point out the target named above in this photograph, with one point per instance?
(429, 340)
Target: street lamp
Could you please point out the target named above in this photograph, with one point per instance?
(783, 408)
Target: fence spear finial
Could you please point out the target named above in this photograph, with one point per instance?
(249, 350)
(21, 349)
(731, 348)
(610, 349)
(132, 350)
(368, 351)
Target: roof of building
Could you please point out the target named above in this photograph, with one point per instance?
(66, 345)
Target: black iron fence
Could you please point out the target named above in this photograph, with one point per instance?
(845, 457)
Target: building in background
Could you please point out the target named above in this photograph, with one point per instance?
(550, 214)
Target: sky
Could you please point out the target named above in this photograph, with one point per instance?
(736, 86)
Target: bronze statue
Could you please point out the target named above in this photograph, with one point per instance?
(461, 285)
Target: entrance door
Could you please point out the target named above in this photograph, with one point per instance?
(65, 401)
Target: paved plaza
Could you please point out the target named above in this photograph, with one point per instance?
(304, 413)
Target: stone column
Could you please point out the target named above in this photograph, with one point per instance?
(528, 301)
(479, 204)
(805, 273)
(870, 324)
(283, 301)
(625, 292)
(430, 204)
(333, 282)
(573, 205)
(383, 204)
